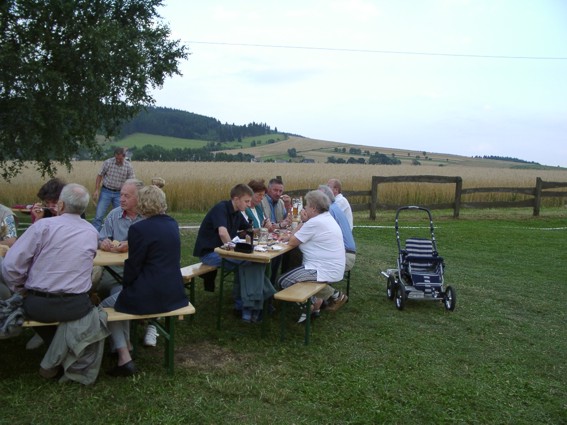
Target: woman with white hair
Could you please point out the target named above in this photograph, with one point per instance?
(320, 240)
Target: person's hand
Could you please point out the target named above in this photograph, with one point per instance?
(120, 247)
(37, 212)
(106, 245)
(287, 201)
(303, 215)
(95, 195)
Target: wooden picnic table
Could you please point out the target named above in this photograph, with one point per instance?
(264, 257)
(106, 258)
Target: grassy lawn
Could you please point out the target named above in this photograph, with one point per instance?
(498, 359)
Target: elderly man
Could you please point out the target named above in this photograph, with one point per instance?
(340, 218)
(341, 201)
(114, 234)
(112, 175)
(320, 240)
(52, 263)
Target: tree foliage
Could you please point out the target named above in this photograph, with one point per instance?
(187, 125)
(70, 69)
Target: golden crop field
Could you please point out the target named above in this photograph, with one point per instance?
(197, 186)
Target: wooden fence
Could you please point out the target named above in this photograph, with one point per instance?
(537, 193)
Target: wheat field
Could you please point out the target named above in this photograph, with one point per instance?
(196, 186)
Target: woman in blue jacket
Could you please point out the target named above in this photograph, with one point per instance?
(152, 281)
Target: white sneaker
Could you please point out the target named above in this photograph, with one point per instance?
(150, 339)
(34, 342)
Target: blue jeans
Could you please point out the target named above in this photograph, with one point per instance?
(105, 198)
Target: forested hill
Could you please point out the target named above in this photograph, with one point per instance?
(186, 125)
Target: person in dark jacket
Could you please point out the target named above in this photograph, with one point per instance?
(152, 281)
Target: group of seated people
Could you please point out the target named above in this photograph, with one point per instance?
(52, 262)
(323, 236)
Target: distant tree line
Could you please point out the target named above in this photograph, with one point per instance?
(187, 125)
(205, 154)
(507, 158)
(375, 158)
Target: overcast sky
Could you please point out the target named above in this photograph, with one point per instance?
(446, 76)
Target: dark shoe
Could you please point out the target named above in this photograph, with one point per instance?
(338, 302)
(257, 316)
(209, 281)
(53, 373)
(127, 369)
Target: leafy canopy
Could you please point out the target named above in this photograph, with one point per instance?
(70, 69)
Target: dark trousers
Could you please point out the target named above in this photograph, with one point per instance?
(55, 309)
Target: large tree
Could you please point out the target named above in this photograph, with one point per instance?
(72, 69)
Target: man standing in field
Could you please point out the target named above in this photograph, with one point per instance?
(112, 175)
(336, 187)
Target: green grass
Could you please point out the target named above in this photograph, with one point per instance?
(498, 359)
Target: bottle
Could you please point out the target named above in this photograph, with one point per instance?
(250, 232)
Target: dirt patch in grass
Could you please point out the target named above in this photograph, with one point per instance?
(205, 356)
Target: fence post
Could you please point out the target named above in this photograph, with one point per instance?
(373, 198)
(458, 194)
(537, 196)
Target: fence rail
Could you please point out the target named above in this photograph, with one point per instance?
(537, 193)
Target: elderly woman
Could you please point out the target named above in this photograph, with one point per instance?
(255, 212)
(152, 280)
(320, 240)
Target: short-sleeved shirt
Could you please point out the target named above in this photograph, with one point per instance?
(340, 218)
(116, 225)
(7, 223)
(345, 206)
(114, 175)
(322, 247)
(222, 214)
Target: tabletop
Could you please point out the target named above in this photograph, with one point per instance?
(106, 258)
(256, 256)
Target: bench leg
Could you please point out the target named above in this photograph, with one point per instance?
(168, 332)
(223, 274)
(134, 337)
(192, 294)
(282, 321)
(308, 321)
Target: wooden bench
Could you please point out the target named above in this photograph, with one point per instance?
(300, 293)
(189, 274)
(167, 330)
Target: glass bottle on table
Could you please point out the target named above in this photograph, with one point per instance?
(250, 232)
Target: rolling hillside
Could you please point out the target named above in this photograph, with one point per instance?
(171, 129)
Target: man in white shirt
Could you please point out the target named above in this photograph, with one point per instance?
(342, 202)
